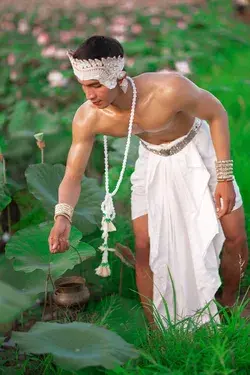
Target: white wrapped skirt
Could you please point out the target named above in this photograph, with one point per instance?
(186, 238)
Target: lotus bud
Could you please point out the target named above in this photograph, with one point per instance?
(39, 136)
(41, 144)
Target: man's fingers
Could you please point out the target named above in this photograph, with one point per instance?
(224, 208)
(53, 243)
(217, 204)
(63, 244)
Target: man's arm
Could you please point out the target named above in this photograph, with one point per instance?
(79, 153)
(189, 98)
(69, 190)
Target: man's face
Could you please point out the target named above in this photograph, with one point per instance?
(97, 93)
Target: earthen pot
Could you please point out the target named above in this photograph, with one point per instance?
(71, 291)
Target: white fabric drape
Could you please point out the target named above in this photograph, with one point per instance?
(186, 237)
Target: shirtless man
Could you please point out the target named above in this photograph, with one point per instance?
(166, 108)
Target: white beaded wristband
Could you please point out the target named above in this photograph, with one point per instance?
(64, 209)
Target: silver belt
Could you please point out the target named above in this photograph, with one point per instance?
(178, 146)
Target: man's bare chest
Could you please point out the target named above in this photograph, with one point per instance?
(149, 120)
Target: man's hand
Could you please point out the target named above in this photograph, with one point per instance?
(225, 191)
(59, 235)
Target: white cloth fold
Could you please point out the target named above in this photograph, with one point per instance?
(185, 235)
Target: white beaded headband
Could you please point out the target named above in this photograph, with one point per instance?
(105, 70)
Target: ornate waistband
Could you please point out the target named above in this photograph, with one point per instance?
(178, 146)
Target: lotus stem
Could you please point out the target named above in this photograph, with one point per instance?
(40, 144)
(42, 156)
(49, 277)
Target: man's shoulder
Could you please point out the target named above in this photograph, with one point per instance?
(85, 114)
(162, 82)
(160, 77)
(85, 119)
(84, 109)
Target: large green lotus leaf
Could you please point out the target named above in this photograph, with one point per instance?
(32, 283)
(43, 182)
(76, 345)
(12, 302)
(116, 156)
(56, 152)
(30, 250)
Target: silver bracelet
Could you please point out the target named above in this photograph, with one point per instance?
(224, 170)
(64, 209)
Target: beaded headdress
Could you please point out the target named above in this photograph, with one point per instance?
(105, 70)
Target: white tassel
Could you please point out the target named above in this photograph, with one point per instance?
(104, 269)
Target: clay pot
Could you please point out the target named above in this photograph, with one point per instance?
(71, 291)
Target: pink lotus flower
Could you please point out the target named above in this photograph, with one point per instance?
(66, 36)
(128, 5)
(13, 75)
(121, 20)
(43, 38)
(23, 26)
(182, 25)
(56, 79)
(136, 28)
(118, 29)
(152, 11)
(60, 53)
(11, 59)
(48, 51)
(81, 18)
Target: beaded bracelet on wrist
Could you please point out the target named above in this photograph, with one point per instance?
(224, 170)
(64, 209)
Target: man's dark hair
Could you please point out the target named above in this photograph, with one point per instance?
(97, 47)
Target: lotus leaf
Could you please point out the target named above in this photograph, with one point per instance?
(30, 250)
(12, 302)
(76, 345)
(31, 284)
(43, 182)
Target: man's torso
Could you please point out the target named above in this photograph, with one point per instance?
(154, 122)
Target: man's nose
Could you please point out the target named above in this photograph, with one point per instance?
(90, 95)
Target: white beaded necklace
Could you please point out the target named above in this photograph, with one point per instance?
(107, 206)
